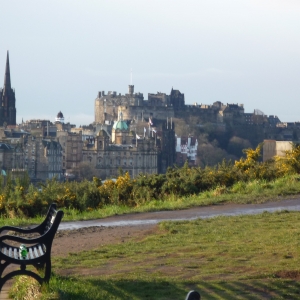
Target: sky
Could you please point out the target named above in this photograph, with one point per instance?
(62, 52)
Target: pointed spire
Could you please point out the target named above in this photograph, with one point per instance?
(7, 84)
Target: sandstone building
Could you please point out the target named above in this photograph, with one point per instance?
(132, 152)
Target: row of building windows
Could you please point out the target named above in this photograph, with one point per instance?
(109, 153)
(55, 167)
(54, 158)
(53, 151)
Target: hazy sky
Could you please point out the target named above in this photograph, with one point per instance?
(62, 52)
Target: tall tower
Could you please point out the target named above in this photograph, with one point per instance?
(7, 99)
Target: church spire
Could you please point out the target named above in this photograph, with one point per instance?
(7, 85)
(7, 99)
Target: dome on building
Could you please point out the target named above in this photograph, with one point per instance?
(120, 124)
(60, 117)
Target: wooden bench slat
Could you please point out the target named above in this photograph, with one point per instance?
(16, 253)
(35, 251)
(41, 250)
(30, 254)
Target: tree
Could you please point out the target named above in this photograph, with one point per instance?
(236, 146)
(210, 155)
(85, 171)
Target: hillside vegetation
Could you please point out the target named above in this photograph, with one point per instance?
(178, 188)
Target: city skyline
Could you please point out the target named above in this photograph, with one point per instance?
(63, 53)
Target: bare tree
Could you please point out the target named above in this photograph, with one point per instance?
(85, 171)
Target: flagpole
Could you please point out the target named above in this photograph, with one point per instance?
(135, 138)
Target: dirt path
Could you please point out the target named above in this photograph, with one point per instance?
(88, 238)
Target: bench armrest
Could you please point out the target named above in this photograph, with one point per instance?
(19, 239)
(19, 229)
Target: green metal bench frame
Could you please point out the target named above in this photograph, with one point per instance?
(39, 248)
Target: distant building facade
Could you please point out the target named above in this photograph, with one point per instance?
(186, 150)
(151, 151)
(273, 148)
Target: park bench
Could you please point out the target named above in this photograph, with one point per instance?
(38, 247)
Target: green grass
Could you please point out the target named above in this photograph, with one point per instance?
(244, 257)
(140, 288)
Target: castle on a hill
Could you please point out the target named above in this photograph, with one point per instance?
(135, 107)
(161, 106)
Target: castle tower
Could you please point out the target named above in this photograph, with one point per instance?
(130, 89)
(8, 99)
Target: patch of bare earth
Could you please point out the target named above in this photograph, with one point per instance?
(71, 241)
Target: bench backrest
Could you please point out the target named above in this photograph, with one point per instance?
(50, 217)
(48, 221)
(48, 228)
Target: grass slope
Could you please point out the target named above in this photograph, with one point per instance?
(243, 257)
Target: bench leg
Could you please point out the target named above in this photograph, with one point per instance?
(23, 271)
(3, 266)
(17, 273)
(47, 270)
